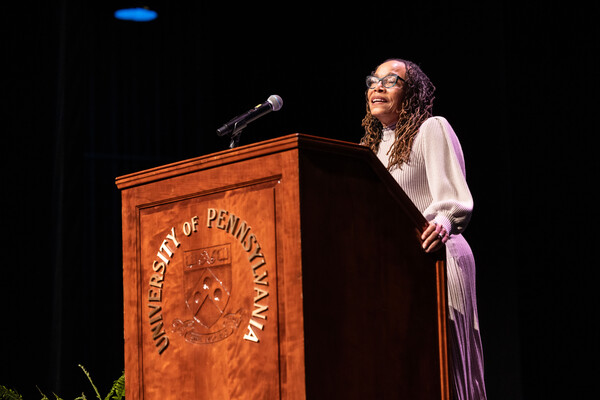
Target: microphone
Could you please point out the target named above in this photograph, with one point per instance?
(234, 126)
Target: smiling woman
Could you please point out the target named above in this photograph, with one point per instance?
(385, 92)
(424, 156)
(413, 99)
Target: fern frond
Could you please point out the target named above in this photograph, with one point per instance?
(9, 394)
(44, 397)
(117, 391)
(92, 383)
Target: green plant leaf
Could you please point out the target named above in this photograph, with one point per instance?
(9, 394)
(44, 397)
(117, 391)
(91, 382)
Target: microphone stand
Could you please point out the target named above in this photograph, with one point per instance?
(235, 134)
(235, 139)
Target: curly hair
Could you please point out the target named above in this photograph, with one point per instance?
(416, 107)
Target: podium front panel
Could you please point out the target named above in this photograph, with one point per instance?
(209, 281)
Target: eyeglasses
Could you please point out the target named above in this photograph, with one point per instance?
(387, 81)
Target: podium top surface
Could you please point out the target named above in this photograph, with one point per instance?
(280, 144)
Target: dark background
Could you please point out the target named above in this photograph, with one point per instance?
(87, 98)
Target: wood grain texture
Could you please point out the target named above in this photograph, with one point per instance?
(326, 281)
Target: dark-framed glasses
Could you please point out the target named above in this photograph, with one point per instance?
(387, 81)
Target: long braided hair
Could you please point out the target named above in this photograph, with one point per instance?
(416, 107)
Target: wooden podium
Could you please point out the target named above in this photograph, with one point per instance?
(287, 269)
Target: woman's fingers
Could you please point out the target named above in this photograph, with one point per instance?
(434, 237)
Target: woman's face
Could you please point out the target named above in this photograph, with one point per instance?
(384, 103)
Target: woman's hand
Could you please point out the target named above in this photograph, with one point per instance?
(434, 237)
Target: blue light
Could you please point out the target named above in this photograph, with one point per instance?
(137, 14)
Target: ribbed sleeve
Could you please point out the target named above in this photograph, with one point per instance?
(434, 178)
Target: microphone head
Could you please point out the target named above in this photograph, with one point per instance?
(275, 101)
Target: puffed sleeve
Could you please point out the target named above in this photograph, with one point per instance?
(452, 203)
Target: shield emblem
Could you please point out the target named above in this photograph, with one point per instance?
(207, 283)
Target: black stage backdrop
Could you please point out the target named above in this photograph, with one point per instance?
(87, 98)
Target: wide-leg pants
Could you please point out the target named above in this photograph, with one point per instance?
(464, 340)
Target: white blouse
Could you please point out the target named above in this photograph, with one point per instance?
(434, 177)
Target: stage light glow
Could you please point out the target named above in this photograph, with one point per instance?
(137, 14)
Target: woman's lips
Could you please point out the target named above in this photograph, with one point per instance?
(378, 100)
